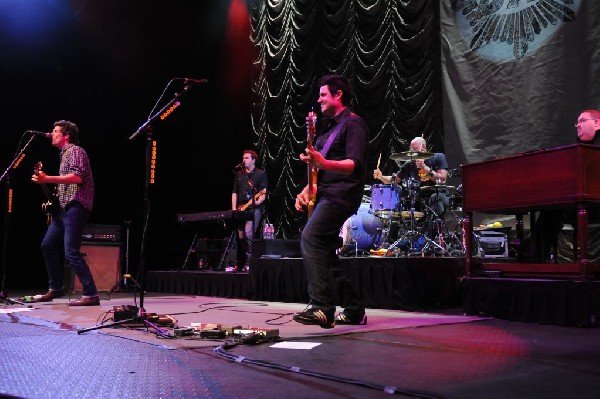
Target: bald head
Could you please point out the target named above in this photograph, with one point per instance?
(418, 144)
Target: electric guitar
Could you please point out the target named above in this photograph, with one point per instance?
(311, 129)
(256, 197)
(51, 204)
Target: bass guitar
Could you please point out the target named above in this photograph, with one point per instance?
(51, 204)
(256, 197)
(311, 129)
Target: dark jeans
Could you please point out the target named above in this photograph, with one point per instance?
(319, 241)
(246, 230)
(64, 237)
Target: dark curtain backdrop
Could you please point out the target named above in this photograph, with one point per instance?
(390, 51)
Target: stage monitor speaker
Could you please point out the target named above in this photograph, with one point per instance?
(104, 260)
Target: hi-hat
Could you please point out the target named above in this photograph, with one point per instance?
(438, 187)
(410, 155)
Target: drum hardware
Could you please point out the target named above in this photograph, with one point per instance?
(458, 237)
(454, 241)
(438, 187)
(410, 155)
(457, 243)
(440, 230)
(409, 240)
(454, 172)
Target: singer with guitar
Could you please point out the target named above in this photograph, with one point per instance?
(339, 157)
(249, 194)
(75, 186)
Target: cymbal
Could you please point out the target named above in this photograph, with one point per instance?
(438, 187)
(410, 155)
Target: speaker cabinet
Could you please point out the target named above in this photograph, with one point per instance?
(104, 260)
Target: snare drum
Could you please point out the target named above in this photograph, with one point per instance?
(361, 231)
(407, 205)
(385, 200)
(411, 200)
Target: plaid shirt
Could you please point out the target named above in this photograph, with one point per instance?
(74, 159)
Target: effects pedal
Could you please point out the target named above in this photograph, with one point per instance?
(124, 312)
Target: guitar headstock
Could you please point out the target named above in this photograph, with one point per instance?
(311, 125)
(37, 168)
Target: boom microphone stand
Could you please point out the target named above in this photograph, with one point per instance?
(7, 218)
(150, 169)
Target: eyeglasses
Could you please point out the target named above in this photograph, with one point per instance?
(580, 121)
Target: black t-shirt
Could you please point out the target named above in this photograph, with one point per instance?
(245, 185)
(350, 143)
(436, 162)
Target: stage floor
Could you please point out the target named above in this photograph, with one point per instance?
(410, 354)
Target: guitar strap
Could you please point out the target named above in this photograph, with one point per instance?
(334, 134)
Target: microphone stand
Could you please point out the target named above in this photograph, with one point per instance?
(150, 168)
(7, 219)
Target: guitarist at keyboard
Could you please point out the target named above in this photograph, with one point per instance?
(340, 156)
(249, 194)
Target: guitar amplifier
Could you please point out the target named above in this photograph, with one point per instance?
(104, 261)
(101, 233)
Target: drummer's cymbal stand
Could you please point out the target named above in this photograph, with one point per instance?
(456, 240)
(410, 237)
(440, 230)
(453, 242)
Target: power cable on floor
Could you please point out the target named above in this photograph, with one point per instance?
(387, 389)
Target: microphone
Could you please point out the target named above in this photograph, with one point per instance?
(188, 81)
(238, 167)
(36, 133)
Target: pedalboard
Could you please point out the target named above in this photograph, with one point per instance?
(219, 331)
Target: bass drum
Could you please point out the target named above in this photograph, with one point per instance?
(361, 232)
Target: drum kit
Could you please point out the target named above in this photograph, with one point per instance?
(406, 219)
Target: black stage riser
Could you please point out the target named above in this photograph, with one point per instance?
(414, 284)
(559, 302)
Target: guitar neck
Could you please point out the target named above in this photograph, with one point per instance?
(312, 171)
(46, 191)
(255, 198)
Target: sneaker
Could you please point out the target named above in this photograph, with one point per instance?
(315, 316)
(231, 269)
(344, 318)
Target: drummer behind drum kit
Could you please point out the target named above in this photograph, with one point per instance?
(401, 211)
